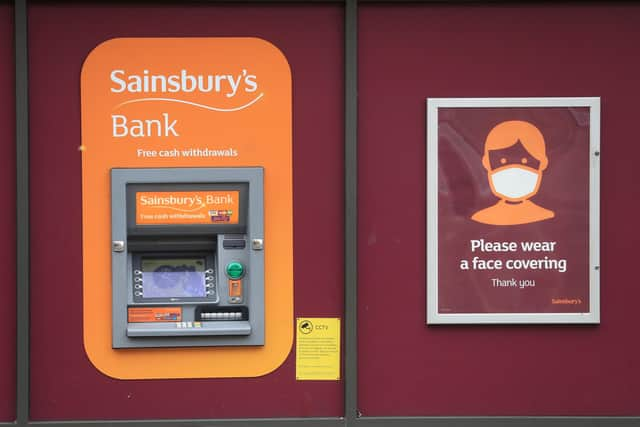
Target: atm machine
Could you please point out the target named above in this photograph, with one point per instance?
(187, 257)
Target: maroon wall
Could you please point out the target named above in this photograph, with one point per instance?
(7, 217)
(64, 384)
(411, 52)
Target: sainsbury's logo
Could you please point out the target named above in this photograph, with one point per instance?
(168, 87)
(227, 84)
(171, 201)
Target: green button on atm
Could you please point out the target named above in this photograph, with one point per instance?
(235, 270)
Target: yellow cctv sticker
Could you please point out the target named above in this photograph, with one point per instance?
(317, 348)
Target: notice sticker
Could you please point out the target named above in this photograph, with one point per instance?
(317, 348)
(154, 314)
(187, 207)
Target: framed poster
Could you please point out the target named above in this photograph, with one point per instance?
(513, 210)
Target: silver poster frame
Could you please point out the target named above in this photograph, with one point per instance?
(436, 318)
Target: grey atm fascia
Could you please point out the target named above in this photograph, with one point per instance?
(247, 331)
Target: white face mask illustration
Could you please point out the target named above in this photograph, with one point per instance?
(514, 182)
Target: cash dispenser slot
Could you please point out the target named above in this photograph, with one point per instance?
(188, 260)
(172, 244)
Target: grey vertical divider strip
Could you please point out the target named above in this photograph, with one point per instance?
(22, 213)
(351, 212)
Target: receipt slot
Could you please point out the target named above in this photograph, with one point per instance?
(187, 257)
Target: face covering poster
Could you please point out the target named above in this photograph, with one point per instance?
(513, 210)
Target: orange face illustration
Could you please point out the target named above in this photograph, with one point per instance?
(514, 158)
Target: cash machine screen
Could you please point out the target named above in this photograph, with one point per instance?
(173, 277)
